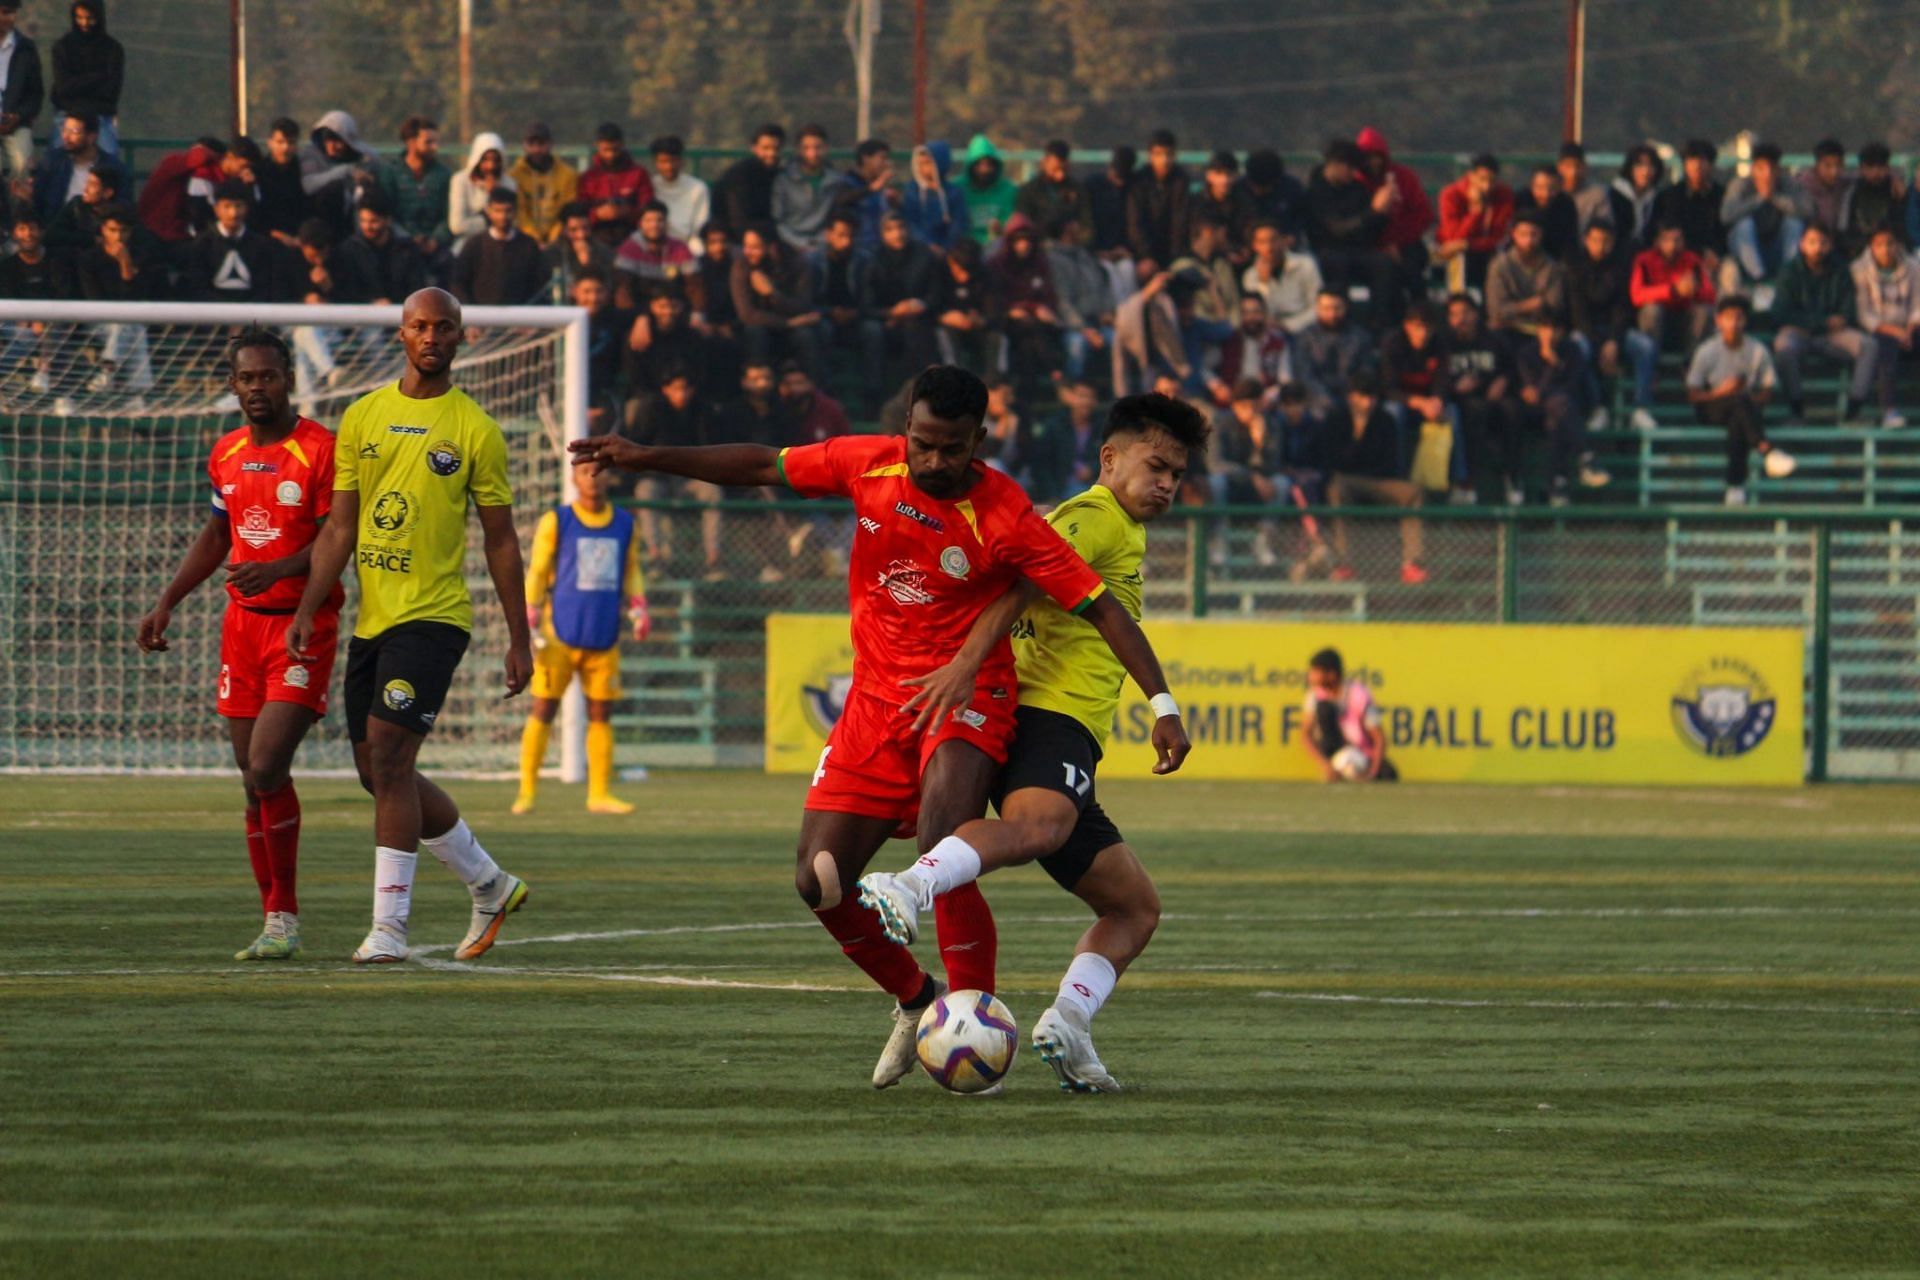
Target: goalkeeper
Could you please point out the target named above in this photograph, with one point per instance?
(586, 561)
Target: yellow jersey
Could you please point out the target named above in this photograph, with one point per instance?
(415, 464)
(1064, 664)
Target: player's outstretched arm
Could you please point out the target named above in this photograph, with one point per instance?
(734, 464)
(949, 688)
(329, 553)
(208, 552)
(1129, 644)
(510, 581)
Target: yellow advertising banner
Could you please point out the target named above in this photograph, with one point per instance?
(1459, 703)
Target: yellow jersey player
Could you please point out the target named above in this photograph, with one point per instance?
(1069, 691)
(409, 460)
(586, 564)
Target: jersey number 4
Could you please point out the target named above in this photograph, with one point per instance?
(1077, 778)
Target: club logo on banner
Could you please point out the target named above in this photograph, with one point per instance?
(1458, 703)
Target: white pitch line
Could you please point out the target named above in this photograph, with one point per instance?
(1663, 1006)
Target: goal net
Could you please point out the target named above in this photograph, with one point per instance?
(107, 416)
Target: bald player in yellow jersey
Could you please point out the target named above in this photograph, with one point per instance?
(1069, 693)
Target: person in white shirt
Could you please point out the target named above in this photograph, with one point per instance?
(1729, 381)
(689, 201)
(1287, 282)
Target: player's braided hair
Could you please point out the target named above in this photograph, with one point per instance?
(1155, 412)
(257, 336)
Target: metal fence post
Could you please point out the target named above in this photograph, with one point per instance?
(1822, 628)
(1197, 566)
(1509, 568)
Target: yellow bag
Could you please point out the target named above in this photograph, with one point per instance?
(1431, 458)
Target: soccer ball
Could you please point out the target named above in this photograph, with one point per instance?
(1351, 763)
(967, 1041)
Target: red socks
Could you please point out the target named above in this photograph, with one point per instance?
(969, 943)
(857, 930)
(280, 825)
(257, 855)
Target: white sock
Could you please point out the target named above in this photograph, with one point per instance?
(393, 887)
(462, 854)
(1088, 983)
(942, 869)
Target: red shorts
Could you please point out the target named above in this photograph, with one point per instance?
(255, 668)
(873, 760)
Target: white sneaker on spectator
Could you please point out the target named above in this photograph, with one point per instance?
(1217, 551)
(63, 406)
(1516, 497)
(1263, 553)
(1598, 419)
(1893, 420)
(1557, 493)
(40, 382)
(1778, 464)
(1736, 496)
(1643, 421)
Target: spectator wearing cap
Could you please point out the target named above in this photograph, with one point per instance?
(1222, 197)
(744, 194)
(1671, 288)
(1552, 208)
(1329, 352)
(63, 171)
(1159, 205)
(471, 190)
(989, 192)
(282, 204)
(804, 193)
(1873, 200)
(1552, 372)
(378, 263)
(89, 73)
(22, 93)
(935, 208)
(1633, 196)
(651, 256)
(1276, 195)
(1051, 196)
(230, 261)
(1402, 197)
(1285, 279)
(1764, 217)
(1345, 227)
(1886, 290)
(545, 184)
(336, 170)
(1694, 202)
(1729, 381)
(1086, 295)
(416, 188)
(1826, 184)
(1815, 305)
(1592, 199)
(614, 186)
(1604, 320)
(1476, 216)
(1362, 453)
(688, 200)
(897, 320)
(1523, 282)
(501, 266)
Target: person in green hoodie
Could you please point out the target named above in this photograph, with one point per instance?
(1814, 301)
(989, 194)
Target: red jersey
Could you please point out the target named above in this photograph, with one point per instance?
(923, 568)
(274, 498)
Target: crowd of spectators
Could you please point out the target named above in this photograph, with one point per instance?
(1357, 339)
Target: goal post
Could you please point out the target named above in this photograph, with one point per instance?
(108, 412)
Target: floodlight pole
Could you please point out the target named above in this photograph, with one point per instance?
(860, 28)
(919, 72)
(237, 63)
(1576, 88)
(466, 70)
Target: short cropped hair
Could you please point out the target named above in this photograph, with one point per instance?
(951, 392)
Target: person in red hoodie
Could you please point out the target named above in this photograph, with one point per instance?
(614, 186)
(1400, 197)
(168, 196)
(1476, 213)
(1671, 286)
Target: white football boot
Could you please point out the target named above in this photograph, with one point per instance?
(899, 1057)
(488, 914)
(897, 906)
(1068, 1049)
(384, 945)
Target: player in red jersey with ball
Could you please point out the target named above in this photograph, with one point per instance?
(272, 487)
(939, 537)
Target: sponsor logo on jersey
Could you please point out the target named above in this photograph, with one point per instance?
(270, 467)
(297, 677)
(399, 430)
(256, 527)
(226, 488)
(919, 517)
(869, 524)
(1724, 708)
(370, 451)
(953, 563)
(998, 694)
(906, 582)
(428, 717)
(443, 457)
(287, 493)
(393, 515)
(398, 695)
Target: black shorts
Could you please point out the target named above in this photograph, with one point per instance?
(401, 675)
(1055, 752)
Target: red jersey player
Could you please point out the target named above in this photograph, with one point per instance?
(272, 486)
(939, 537)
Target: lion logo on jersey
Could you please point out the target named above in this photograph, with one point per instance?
(393, 514)
(1724, 709)
(256, 527)
(906, 582)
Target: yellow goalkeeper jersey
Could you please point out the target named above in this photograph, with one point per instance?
(416, 465)
(1064, 663)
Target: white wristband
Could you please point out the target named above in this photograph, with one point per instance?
(1163, 706)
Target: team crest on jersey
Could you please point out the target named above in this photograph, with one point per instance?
(297, 677)
(906, 582)
(256, 527)
(287, 493)
(1724, 708)
(953, 563)
(398, 695)
(443, 457)
(393, 515)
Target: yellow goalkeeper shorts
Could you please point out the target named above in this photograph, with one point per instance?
(555, 663)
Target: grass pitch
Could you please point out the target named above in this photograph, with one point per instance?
(1410, 1031)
